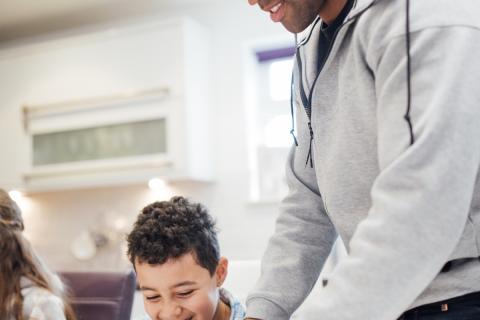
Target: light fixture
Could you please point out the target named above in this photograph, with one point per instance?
(157, 184)
(15, 195)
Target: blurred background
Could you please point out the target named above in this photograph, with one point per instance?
(107, 106)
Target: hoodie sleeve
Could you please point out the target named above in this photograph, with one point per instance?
(421, 198)
(301, 243)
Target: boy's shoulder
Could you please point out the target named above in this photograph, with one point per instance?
(237, 311)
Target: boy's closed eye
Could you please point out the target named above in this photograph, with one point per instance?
(185, 294)
(150, 294)
(152, 298)
(182, 294)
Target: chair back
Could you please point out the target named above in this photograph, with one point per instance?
(101, 295)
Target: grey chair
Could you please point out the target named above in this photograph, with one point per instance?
(101, 295)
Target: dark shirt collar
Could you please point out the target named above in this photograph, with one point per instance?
(329, 29)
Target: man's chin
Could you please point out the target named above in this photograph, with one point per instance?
(295, 27)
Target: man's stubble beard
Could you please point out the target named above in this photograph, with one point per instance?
(307, 10)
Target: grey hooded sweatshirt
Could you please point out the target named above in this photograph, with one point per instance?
(403, 209)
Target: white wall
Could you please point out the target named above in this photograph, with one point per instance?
(54, 219)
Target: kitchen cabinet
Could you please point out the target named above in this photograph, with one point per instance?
(108, 108)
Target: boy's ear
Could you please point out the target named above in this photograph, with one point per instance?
(222, 271)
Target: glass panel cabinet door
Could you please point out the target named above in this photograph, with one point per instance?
(99, 143)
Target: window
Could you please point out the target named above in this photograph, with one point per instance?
(279, 79)
(271, 124)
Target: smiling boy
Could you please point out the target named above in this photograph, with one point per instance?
(175, 252)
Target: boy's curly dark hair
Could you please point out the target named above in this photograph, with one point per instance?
(170, 229)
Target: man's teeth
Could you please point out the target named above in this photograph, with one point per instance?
(275, 9)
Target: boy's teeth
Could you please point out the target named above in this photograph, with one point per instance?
(275, 9)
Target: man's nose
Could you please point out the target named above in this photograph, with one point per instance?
(252, 2)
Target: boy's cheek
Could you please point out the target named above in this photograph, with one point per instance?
(150, 308)
(202, 305)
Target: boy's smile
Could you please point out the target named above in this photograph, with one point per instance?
(182, 289)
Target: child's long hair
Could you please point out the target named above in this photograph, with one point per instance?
(17, 260)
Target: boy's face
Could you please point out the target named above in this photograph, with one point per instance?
(180, 288)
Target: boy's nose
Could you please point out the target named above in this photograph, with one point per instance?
(170, 312)
(252, 2)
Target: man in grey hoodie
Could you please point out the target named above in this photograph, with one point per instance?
(388, 128)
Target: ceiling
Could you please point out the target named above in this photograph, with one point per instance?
(20, 19)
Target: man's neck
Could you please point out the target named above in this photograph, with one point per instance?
(331, 9)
